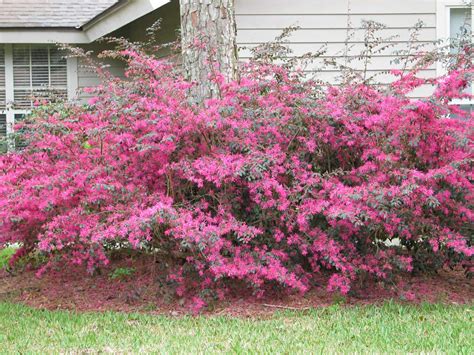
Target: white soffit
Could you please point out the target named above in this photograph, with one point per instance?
(43, 36)
(121, 16)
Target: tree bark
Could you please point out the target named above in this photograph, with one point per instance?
(208, 38)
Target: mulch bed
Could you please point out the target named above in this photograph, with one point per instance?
(77, 290)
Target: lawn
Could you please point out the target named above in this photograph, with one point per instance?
(387, 328)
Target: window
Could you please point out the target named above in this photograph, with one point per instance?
(454, 21)
(2, 79)
(28, 73)
(38, 72)
(459, 17)
(461, 21)
(3, 116)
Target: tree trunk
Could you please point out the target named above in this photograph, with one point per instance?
(208, 34)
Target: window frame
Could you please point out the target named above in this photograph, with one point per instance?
(443, 34)
(10, 112)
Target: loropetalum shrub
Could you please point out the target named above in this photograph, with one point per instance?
(272, 184)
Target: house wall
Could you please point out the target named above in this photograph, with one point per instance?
(86, 75)
(326, 21)
(135, 31)
(321, 22)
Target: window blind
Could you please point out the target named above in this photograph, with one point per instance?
(2, 79)
(3, 125)
(39, 72)
(460, 28)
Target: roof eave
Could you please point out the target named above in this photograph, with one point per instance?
(43, 35)
(115, 17)
(129, 11)
(103, 14)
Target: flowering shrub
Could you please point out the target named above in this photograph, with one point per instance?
(272, 183)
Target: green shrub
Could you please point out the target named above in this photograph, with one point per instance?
(5, 255)
(122, 273)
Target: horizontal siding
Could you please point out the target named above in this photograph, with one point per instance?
(379, 63)
(380, 76)
(134, 31)
(422, 91)
(87, 77)
(321, 21)
(325, 23)
(329, 35)
(363, 7)
(335, 49)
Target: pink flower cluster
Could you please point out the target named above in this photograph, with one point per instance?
(273, 183)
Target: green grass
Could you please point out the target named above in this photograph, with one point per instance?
(390, 328)
(5, 255)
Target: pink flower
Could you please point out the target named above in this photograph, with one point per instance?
(270, 184)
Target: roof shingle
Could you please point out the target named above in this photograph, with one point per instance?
(51, 13)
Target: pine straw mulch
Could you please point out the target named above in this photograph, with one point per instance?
(79, 291)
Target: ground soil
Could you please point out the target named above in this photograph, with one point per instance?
(76, 290)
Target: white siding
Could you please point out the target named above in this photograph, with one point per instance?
(322, 22)
(135, 31)
(362, 7)
(325, 22)
(86, 77)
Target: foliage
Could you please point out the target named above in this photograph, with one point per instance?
(14, 259)
(122, 273)
(273, 183)
(5, 255)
